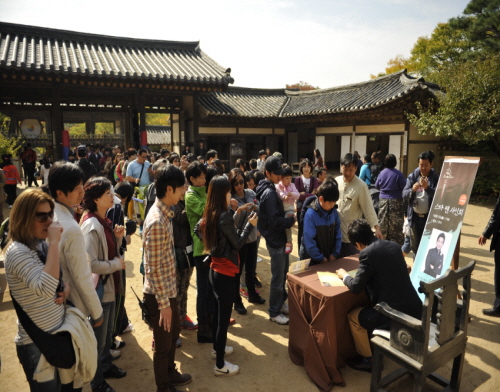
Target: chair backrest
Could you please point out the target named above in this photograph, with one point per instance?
(441, 304)
(452, 313)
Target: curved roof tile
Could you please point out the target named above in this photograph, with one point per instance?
(49, 50)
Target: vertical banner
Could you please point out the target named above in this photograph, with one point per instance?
(445, 219)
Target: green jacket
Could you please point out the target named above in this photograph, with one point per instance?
(196, 198)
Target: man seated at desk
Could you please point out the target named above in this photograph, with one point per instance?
(382, 272)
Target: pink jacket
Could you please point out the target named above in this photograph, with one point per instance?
(283, 192)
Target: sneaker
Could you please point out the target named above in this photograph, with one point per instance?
(114, 372)
(115, 354)
(227, 370)
(227, 351)
(117, 344)
(284, 309)
(259, 259)
(288, 247)
(258, 283)
(280, 319)
(244, 292)
(129, 328)
(187, 323)
(257, 300)
(178, 344)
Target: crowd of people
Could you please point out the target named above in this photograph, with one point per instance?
(193, 214)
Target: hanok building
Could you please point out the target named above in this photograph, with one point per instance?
(363, 117)
(57, 77)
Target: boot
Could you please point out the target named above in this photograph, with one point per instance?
(205, 333)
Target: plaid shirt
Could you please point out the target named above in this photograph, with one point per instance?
(159, 257)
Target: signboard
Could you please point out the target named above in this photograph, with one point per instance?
(445, 219)
(31, 128)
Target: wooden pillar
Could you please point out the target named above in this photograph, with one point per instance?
(56, 122)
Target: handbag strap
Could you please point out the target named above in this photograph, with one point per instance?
(140, 175)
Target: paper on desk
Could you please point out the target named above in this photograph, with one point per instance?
(299, 266)
(329, 279)
(352, 273)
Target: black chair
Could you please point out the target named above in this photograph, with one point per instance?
(421, 346)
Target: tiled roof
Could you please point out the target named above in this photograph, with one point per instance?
(244, 102)
(288, 103)
(158, 134)
(65, 52)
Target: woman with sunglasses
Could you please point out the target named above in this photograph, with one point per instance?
(102, 243)
(223, 243)
(34, 276)
(243, 202)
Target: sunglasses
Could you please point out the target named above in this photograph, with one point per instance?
(240, 182)
(43, 217)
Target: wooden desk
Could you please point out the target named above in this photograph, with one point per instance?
(320, 338)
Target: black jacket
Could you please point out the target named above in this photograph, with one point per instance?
(182, 231)
(229, 242)
(383, 272)
(88, 168)
(493, 225)
(272, 222)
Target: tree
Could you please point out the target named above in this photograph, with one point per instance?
(481, 21)
(302, 86)
(396, 64)
(469, 110)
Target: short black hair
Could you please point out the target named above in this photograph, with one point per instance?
(262, 152)
(173, 157)
(131, 152)
(441, 235)
(210, 154)
(142, 151)
(211, 172)
(367, 158)
(258, 177)
(288, 171)
(81, 153)
(64, 177)
(390, 161)
(329, 189)
(253, 164)
(240, 162)
(248, 177)
(125, 190)
(349, 159)
(360, 231)
(164, 151)
(195, 169)
(168, 176)
(426, 155)
(190, 157)
(303, 163)
(94, 188)
(320, 171)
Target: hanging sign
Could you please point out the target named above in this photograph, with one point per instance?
(445, 219)
(31, 128)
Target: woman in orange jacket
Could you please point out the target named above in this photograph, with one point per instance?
(11, 180)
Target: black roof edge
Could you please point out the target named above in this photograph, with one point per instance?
(46, 32)
(258, 91)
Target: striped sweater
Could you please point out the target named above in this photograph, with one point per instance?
(33, 289)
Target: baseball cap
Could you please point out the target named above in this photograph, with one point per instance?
(273, 165)
(278, 154)
(82, 147)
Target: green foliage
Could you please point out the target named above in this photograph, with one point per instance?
(488, 178)
(470, 109)
(158, 119)
(302, 86)
(8, 145)
(104, 128)
(76, 129)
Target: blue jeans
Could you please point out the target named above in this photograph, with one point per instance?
(279, 269)
(103, 335)
(29, 355)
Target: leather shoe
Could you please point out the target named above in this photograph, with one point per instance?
(359, 363)
(178, 378)
(492, 312)
(257, 300)
(103, 387)
(115, 372)
(240, 309)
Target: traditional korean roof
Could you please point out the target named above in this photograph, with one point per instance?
(158, 134)
(374, 93)
(244, 102)
(64, 52)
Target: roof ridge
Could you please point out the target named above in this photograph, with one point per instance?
(69, 35)
(253, 90)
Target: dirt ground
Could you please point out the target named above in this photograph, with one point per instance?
(260, 346)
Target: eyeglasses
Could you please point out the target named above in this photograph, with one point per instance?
(43, 217)
(240, 182)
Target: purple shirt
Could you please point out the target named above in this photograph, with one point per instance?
(391, 183)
